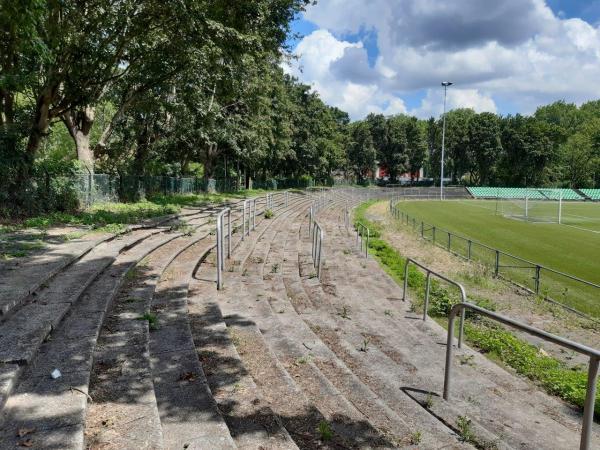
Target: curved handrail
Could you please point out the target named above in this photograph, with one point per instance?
(220, 256)
(594, 355)
(463, 293)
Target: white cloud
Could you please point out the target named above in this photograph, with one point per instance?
(318, 54)
(514, 51)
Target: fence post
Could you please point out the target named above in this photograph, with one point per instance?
(422, 230)
(427, 286)
(367, 245)
(497, 268)
(433, 233)
(469, 250)
(449, 244)
(538, 270)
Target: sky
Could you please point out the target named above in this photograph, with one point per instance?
(503, 56)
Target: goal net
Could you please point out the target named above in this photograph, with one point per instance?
(532, 205)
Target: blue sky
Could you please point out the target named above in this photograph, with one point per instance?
(389, 60)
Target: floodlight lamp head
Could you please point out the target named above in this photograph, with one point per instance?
(447, 83)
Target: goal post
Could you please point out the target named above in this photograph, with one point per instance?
(539, 205)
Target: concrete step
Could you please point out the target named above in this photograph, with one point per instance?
(69, 349)
(347, 420)
(189, 415)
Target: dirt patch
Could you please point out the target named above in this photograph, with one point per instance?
(479, 283)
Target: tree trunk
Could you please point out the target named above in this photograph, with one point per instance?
(79, 123)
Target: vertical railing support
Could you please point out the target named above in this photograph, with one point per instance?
(538, 270)
(588, 409)
(427, 288)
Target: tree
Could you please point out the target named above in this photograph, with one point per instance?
(361, 151)
(416, 146)
(484, 147)
(528, 152)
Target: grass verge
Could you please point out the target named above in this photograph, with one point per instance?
(499, 344)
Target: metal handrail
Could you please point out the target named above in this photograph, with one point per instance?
(250, 218)
(317, 247)
(594, 355)
(220, 256)
(359, 237)
(463, 293)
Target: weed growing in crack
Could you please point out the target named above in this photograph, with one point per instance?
(325, 431)
(312, 275)
(467, 360)
(388, 312)
(275, 268)
(269, 214)
(463, 424)
(365, 345)
(429, 401)
(344, 312)
(416, 437)
(152, 320)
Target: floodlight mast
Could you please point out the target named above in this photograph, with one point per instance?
(445, 84)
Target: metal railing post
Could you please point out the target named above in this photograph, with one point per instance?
(422, 230)
(228, 233)
(449, 244)
(433, 234)
(405, 280)
(469, 243)
(219, 252)
(588, 408)
(538, 270)
(427, 287)
(254, 216)
(367, 244)
(244, 220)
(594, 362)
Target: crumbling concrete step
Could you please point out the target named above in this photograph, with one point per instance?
(353, 423)
(188, 413)
(22, 333)
(251, 421)
(23, 277)
(122, 379)
(70, 350)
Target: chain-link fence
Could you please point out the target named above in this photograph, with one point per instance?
(96, 188)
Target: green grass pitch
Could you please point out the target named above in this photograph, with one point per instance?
(572, 247)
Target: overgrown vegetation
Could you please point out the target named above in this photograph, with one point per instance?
(501, 345)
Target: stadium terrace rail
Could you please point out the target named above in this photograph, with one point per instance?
(220, 239)
(429, 272)
(594, 355)
(316, 233)
(501, 260)
(249, 220)
(360, 232)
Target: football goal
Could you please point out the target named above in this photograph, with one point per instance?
(532, 205)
